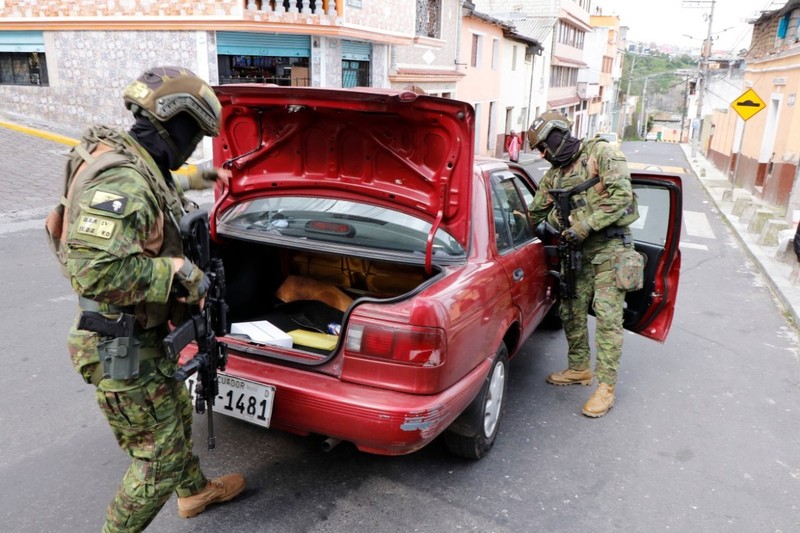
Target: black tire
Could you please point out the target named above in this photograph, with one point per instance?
(472, 434)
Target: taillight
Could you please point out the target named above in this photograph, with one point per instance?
(389, 342)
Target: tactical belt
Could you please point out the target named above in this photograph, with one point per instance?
(617, 232)
(90, 305)
(144, 355)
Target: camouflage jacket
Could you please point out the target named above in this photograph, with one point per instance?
(123, 234)
(607, 201)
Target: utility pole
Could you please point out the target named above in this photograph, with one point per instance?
(685, 109)
(642, 121)
(703, 81)
(624, 118)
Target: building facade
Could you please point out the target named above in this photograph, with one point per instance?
(69, 61)
(762, 153)
(569, 21)
(606, 62)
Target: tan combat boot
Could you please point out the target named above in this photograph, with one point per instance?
(601, 401)
(571, 377)
(218, 490)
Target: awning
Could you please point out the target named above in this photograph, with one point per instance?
(263, 44)
(567, 62)
(356, 51)
(21, 41)
(412, 75)
(563, 102)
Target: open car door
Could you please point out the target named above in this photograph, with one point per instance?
(656, 234)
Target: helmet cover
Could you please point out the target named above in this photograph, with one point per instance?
(163, 92)
(544, 125)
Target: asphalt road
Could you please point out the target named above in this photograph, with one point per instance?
(703, 436)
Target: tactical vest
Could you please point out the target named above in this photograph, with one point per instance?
(588, 196)
(101, 149)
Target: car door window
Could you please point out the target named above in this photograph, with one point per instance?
(653, 222)
(510, 211)
(502, 235)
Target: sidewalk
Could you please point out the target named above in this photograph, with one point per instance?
(764, 234)
(36, 153)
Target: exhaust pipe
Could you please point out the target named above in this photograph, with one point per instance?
(330, 443)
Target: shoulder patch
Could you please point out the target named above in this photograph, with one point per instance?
(96, 226)
(110, 202)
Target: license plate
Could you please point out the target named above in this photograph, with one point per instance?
(241, 398)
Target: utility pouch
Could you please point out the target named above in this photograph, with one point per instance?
(629, 267)
(120, 357)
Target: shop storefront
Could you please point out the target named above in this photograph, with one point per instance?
(263, 58)
(355, 63)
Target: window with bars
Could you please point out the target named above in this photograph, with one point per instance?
(23, 68)
(429, 17)
(355, 74)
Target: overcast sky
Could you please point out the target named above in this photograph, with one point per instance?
(666, 21)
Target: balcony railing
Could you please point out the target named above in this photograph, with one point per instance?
(306, 7)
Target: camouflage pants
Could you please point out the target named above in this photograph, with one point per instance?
(153, 423)
(596, 285)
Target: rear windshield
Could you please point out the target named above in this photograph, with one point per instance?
(335, 221)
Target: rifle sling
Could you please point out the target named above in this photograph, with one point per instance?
(583, 186)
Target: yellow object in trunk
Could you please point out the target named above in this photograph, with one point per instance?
(313, 339)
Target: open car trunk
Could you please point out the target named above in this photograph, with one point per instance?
(305, 294)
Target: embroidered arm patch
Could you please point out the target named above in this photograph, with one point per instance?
(105, 201)
(96, 226)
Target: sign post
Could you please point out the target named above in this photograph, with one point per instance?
(747, 105)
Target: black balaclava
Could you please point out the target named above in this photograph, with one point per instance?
(169, 154)
(561, 148)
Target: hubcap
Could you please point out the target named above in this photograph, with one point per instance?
(494, 400)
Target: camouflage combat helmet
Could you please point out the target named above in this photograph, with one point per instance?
(162, 92)
(544, 124)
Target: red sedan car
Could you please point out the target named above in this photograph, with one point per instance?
(379, 276)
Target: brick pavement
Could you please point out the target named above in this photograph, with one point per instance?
(32, 169)
(33, 155)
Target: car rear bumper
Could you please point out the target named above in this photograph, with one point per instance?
(375, 420)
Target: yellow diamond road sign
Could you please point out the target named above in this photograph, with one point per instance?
(748, 104)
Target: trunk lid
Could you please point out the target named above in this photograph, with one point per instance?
(392, 148)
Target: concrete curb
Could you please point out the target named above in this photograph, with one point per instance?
(69, 141)
(780, 275)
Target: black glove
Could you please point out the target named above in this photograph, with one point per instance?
(194, 280)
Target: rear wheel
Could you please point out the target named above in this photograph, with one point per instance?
(472, 434)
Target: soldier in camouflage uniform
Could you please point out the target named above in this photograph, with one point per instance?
(123, 254)
(599, 221)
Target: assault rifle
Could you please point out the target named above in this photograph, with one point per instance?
(569, 256)
(204, 325)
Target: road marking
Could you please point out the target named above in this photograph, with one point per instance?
(661, 168)
(694, 246)
(696, 224)
(13, 227)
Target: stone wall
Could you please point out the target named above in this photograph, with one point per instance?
(89, 70)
